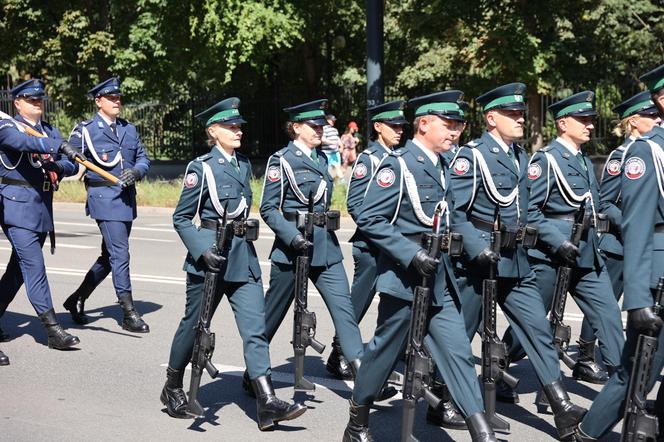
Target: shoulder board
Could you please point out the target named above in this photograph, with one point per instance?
(86, 122)
(123, 121)
(281, 152)
(397, 152)
(205, 157)
(473, 143)
(545, 149)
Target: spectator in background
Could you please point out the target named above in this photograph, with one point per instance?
(330, 145)
(349, 141)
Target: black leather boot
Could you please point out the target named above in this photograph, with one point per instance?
(480, 429)
(271, 409)
(4, 360)
(4, 337)
(586, 369)
(57, 337)
(566, 415)
(337, 365)
(246, 385)
(357, 429)
(75, 305)
(580, 436)
(132, 321)
(447, 415)
(385, 393)
(172, 395)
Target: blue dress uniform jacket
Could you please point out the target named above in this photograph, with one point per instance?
(114, 154)
(388, 218)
(231, 188)
(30, 207)
(610, 195)
(473, 200)
(289, 178)
(546, 198)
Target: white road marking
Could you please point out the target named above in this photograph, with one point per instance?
(91, 224)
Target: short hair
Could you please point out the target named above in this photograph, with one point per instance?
(416, 123)
(290, 131)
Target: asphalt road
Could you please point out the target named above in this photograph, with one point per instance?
(108, 388)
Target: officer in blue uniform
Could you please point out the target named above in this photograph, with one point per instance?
(114, 145)
(638, 115)
(642, 230)
(292, 174)
(218, 181)
(388, 121)
(489, 174)
(408, 187)
(561, 178)
(27, 182)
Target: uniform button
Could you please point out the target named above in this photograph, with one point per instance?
(226, 194)
(13, 197)
(427, 197)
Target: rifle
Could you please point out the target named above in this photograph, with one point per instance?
(494, 351)
(201, 356)
(418, 379)
(304, 321)
(561, 332)
(639, 425)
(93, 167)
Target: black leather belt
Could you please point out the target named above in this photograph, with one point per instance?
(659, 228)
(99, 184)
(46, 185)
(509, 236)
(329, 220)
(444, 241)
(239, 226)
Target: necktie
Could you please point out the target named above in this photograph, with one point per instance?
(510, 153)
(235, 165)
(582, 162)
(439, 167)
(314, 156)
(114, 128)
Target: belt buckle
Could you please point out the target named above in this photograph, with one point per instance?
(46, 186)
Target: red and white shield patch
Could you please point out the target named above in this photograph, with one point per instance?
(273, 174)
(613, 167)
(190, 180)
(534, 171)
(635, 168)
(360, 171)
(461, 166)
(385, 178)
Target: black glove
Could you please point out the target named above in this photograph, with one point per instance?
(300, 244)
(128, 177)
(424, 264)
(568, 252)
(644, 320)
(212, 261)
(52, 166)
(487, 257)
(68, 150)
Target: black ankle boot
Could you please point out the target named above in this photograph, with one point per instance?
(447, 415)
(271, 409)
(75, 305)
(580, 436)
(4, 337)
(172, 395)
(246, 385)
(337, 365)
(57, 337)
(566, 415)
(357, 429)
(132, 321)
(480, 429)
(4, 360)
(586, 369)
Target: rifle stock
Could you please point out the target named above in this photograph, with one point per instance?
(201, 357)
(638, 424)
(304, 321)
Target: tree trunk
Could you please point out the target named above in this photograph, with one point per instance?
(536, 119)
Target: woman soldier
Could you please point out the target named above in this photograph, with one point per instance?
(638, 116)
(216, 182)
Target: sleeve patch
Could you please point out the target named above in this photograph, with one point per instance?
(360, 171)
(385, 178)
(534, 171)
(613, 167)
(461, 166)
(273, 174)
(635, 168)
(191, 180)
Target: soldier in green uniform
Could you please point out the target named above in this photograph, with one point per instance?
(292, 174)
(638, 115)
(489, 175)
(408, 187)
(642, 230)
(217, 180)
(561, 178)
